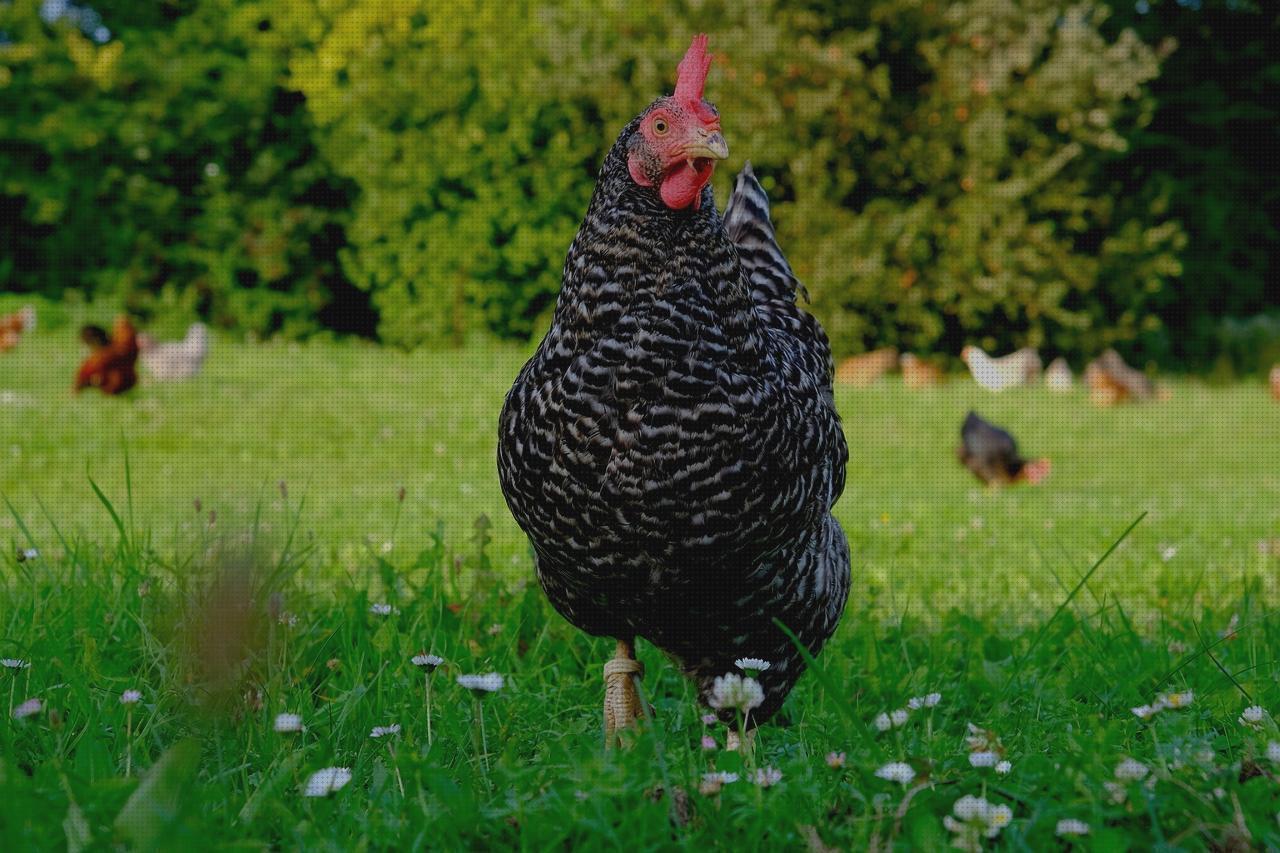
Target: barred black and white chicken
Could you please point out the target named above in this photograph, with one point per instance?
(672, 449)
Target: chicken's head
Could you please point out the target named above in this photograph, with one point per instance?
(678, 141)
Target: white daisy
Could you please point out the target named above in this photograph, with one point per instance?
(381, 609)
(1071, 826)
(720, 776)
(14, 663)
(898, 772)
(767, 777)
(289, 723)
(425, 661)
(899, 717)
(984, 758)
(713, 782)
(384, 731)
(1003, 768)
(1178, 700)
(1145, 712)
(749, 664)
(835, 760)
(130, 697)
(915, 703)
(1273, 751)
(1252, 714)
(883, 723)
(326, 781)
(1130, 770)
(734, 691)
(28, 554)
(490, 682)
(27, 708)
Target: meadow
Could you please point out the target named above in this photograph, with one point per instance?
(239, 546)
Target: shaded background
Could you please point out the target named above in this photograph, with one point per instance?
(998, 172)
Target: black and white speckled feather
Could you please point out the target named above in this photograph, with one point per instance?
(672, 449)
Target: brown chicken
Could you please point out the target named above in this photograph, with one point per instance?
(918, 373)
(863, 370)
(12, 327)
(1275, 382)
(112, 364)
(1112, 381)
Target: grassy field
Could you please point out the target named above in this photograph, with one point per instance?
(969, 593)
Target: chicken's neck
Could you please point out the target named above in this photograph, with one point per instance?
(632, 250)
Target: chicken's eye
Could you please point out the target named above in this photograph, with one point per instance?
(660, 127)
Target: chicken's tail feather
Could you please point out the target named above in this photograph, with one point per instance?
(747, 222)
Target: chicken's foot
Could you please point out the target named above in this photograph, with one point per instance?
(621, 699)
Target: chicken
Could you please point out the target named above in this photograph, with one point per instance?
(998, 374)
(14, 326)
(111, 365)
(992, 455)
(672, 449)
(1275, 382)
(1112, 381)
(918, 373)
(1058, 377)
(863, 370)
(176, 359)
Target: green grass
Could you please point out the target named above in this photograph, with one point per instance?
(978, 595)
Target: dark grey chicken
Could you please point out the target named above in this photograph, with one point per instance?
(672, 449)
(992, 454)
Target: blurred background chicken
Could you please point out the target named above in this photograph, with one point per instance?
(1058, 377)
(918, 373)
(174, 360)
(863, 370)
(1112, 381)
(112, 363)
(1275, 382)
(13, 326)
(997, 374)
(991, 454)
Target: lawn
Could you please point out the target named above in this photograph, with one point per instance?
(258, 602)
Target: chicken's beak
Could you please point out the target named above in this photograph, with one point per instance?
(709, 145)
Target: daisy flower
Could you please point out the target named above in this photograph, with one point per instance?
(426, 661)
(324, 782)
(27, 708)
(1273, 751)
(984, 758)
(899, 717)
(915, 703)
(1178, 700)
(14, 663)
(1145, 712)
(1252, 715)
(897, 772)
(882, 722)
(490, 682)
(381, 609)
(752, 666)
(835, 760)
(1003, 768)
(130, 697)
(734, 691)
(767, 777)
(1071, 826)
(384, 731)
(1130, 770)
(289, 723)
(713, 782)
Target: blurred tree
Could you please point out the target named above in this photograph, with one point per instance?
(982, 215)
(1208, 159)
(178, 174)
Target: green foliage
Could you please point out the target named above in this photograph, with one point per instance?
(941, 173)
(169, 166)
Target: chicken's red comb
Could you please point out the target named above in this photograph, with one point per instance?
(691, 73)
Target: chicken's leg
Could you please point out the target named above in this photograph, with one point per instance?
(621, 699)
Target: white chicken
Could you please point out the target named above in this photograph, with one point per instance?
(997, 374)
(1058, 377)
(175, 359)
